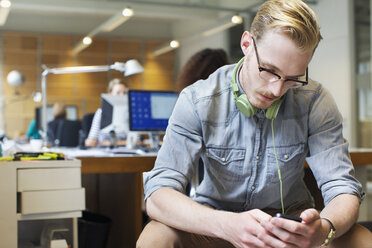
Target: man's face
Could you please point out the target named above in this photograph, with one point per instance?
(277, 53)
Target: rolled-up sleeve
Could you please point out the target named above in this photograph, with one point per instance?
(329, 157)
(180, 152)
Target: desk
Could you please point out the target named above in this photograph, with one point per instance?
(38, 190)
(139, 164)
(360, 157)
(134, 165)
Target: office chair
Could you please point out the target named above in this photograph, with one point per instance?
(64, 132)
(86, 123)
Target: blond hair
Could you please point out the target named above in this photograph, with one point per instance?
(293, 18)
(59, 111)
(114, 82)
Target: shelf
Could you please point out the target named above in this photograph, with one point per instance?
(59, 215)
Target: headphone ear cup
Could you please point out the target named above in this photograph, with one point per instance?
(272, 112)
(244, 106)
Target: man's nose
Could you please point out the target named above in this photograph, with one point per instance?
(276, 87)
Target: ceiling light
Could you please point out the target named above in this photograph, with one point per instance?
(174, 44)
(109, 25)
(127, 12)
(237, 19)
(166, 47)
(87, 40)
(84, 43)
(223, 24)
(117, 20)
(5, 4)
(4, 11)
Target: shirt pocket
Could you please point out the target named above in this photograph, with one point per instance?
(225, 164)
(289, 160)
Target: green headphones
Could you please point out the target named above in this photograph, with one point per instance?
(243, 104)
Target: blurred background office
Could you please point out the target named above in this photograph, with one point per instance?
(161, 35)
(162, 40)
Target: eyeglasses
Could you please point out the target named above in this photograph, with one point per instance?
(270, 76)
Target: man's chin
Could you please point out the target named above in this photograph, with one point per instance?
(262, 106)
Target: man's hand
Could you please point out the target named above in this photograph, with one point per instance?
(311, 232)
(245, 230)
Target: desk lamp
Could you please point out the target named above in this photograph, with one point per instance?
(131, 67)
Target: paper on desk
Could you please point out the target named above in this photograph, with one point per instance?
(75, 152)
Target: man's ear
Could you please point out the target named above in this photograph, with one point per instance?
(246, 42)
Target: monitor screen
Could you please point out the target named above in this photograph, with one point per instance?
(114, 113)
(71, 114)
(150, 110)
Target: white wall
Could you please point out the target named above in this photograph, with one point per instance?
(333, 61)
(194, 42)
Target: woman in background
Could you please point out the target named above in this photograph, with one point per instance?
(200, 66)
(59, 113)
(116, 87)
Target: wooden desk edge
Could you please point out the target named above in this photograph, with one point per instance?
(130, 164)
(139, 164)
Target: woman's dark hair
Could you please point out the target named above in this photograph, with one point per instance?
(200, 66)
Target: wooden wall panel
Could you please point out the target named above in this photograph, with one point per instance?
(159, 70)
(57, 44)
(28, 52)
(24, 42)
(126, 48)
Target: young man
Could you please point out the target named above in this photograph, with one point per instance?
(254, 124)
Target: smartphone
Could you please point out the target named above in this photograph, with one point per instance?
(288, 217)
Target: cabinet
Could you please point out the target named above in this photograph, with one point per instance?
(36, 190)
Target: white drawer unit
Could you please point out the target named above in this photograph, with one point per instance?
(49, 201)
(48, 179)
(36, 190)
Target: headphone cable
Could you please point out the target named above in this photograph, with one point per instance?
(277, 163)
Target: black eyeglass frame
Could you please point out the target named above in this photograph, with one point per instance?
(260, 68)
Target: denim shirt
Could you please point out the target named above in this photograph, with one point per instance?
(240, 169)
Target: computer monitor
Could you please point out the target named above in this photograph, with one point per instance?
(71, 114)
(150, 110)
(114, 113)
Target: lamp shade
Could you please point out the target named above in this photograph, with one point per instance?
(15, 78)
(37, 96)
(132, 67)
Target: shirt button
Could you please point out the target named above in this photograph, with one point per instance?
(223, 159)
(286, 156)
(257, 157)
(253, 187)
